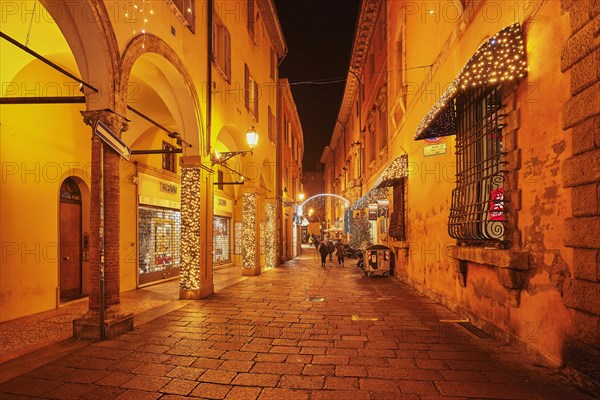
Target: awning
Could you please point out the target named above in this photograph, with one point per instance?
(395, 171)
(370, 197)
(502, 58)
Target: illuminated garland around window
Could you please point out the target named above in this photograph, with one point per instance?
(190, 229)
(249, 230)
(503, 58)
(270, 213)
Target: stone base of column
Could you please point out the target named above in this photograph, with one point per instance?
(250, 271)
(196, 294)
(115, 324)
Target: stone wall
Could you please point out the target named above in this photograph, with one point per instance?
(581, 173)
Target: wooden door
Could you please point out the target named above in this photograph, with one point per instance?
(70, 244)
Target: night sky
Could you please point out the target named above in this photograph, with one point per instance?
(319, 35)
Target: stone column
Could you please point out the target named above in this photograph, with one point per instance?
(107, 214)
(196, 268)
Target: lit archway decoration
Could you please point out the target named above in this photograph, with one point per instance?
(343, 199)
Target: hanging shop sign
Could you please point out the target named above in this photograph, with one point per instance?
(383, 207)
(373, 212)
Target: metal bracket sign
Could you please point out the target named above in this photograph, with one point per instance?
(112, 140)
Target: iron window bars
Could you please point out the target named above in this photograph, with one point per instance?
(478, 212)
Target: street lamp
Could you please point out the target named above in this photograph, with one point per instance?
(251, 139)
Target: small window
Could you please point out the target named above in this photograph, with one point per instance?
(168, 159)
(478, 215)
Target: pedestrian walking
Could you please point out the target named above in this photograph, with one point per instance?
(316, 242)
(323, 250)
(331, 247)
(341, 253)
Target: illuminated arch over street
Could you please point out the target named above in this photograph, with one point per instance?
(343, 199)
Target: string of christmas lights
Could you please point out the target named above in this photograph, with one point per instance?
(139, 13)
(397, 169)
(249, 230)
(190, 229)
(500, 59)
(270, 220)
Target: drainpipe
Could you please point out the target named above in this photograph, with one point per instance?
(279, 159)
(209, 80)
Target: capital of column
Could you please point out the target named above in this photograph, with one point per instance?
(116, 122)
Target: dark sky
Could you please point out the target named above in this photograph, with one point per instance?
(319, 35)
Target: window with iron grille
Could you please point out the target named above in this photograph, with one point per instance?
(168, 159)
(398, 217)
(478, 214)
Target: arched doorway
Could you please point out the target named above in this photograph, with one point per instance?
(70, 256)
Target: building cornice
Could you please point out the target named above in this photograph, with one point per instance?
(269, 13)
(365, 27)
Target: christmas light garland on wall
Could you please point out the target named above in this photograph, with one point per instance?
(249, 230)
(270, 220)
(396, 170)
(502, 58)
(190, 229)
(139, 13)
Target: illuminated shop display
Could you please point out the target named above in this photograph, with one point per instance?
(158, 244)
(249, 230)
(500, 59)
(221, 240)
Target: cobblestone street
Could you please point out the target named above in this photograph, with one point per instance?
(298, 332)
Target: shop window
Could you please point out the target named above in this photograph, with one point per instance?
(159, 237)
(168, 159)
(398, 217)
(221, 240)
(477, 215)
(222, 49)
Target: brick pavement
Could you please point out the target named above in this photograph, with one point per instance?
(271, 337)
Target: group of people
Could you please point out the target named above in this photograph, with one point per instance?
(327, 247)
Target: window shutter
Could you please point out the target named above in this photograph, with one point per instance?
(255, 100)
(246, 87)
(227, 51)
(251, 17)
